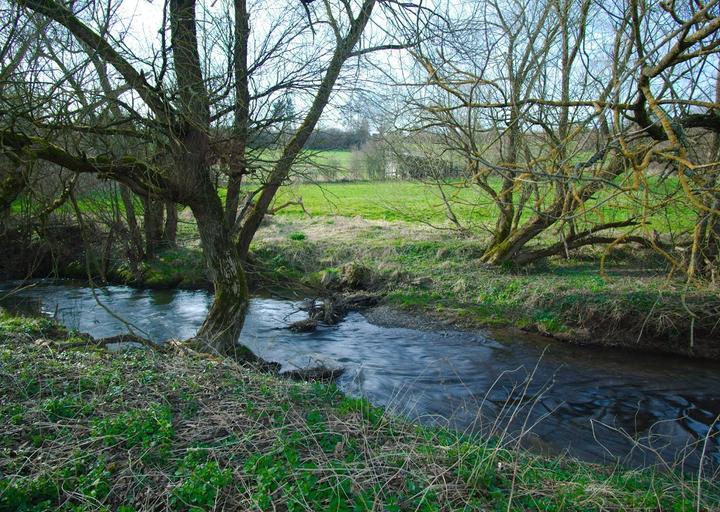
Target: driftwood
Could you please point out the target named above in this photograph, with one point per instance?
(317, 374)
(332, 309)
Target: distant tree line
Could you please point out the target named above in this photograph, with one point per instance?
(322, 139)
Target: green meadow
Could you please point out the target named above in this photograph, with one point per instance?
(423, 202)
(326, 193)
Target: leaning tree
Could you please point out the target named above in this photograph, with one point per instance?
(165, 117)
(559, 108)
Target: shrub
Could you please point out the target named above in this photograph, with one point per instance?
(151, 429)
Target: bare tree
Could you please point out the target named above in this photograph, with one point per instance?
(174, 105)
(560, 107)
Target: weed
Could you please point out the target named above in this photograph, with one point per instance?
(11, 325)
(548, 322)
(12, 413)
(200, 481)
(150, 429)
(66, 407)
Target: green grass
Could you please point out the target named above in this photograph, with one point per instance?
(422, 202)
(385, 200)
(417, 202)
(182, 431)
(439, 275)
(338, 158)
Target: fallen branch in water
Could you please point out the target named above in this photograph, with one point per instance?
(332, 309)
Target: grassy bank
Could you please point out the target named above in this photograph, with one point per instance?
(635, 304)
(382, 229)
(85, 429)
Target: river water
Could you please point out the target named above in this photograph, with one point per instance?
(594, 404)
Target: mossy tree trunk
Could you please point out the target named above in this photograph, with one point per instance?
(221, 329)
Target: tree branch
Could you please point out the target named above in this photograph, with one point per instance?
(137, 175)
(104, 49)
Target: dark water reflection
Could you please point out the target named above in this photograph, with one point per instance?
(595, 404)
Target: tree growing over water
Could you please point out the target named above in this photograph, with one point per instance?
(171, 114)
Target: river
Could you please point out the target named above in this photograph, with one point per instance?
(594, 404)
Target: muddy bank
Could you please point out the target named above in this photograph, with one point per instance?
(387, 315)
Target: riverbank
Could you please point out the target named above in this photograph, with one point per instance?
(431, 273)
(86, 429)
(633, 303)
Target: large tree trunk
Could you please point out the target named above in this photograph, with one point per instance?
(221, 329)
(508, 248)
(169, 236)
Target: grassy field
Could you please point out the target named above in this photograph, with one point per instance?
(82, 429)
(419, 202)
(342, 159)
(422, 202)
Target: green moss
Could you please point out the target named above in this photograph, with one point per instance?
(548, 322)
